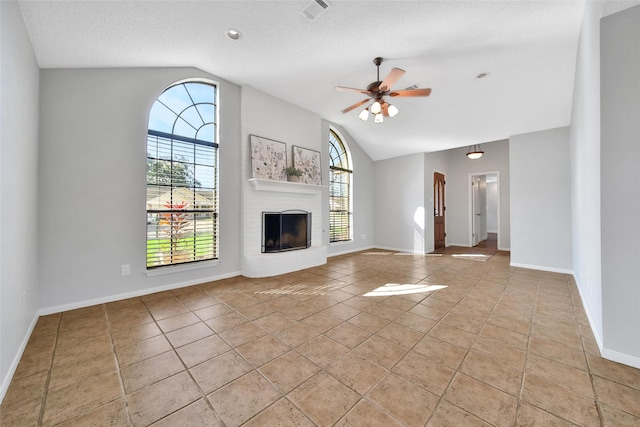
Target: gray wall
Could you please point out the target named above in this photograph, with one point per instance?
(400, 203)
(19, 99)
(93, 125)
(620, 205)
(363, 195)
(585, 168)
(541, 200)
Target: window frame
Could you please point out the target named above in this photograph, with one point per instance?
(202, 202)
(346, 207)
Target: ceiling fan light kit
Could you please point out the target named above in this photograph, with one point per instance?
(474, 152)
(377, 91)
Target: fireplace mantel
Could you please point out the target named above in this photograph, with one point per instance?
(285, 186)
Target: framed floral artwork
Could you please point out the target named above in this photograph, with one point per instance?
(308, 161)
(268, 158)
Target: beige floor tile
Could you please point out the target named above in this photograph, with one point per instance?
(348, 335)
(262, 350)
(25, 414)
(281, 413)
(188, 334)
(485, 402)
(453, 335)
(531, 416)
(381, 351)
(142, 350)
(111, 414)
(613, 371)
(612, 416)
(356, 373)
(162, 398)
(495, 374)
(410, 404)
(149, 371)
(572, 378)
(242, 334)
(440, 351)
(367, 414)
(481, 328)
(323, 399)
(426, 373)
(25, 389)
(204, 349)
(176, 322)
(199, 413)
(322, 351)
(219, 371)
(560, 401)
(289, 370)
(243, 398)
(81, 397)
(617, 395)
(401, 335)
(65, 373)
(449, 415)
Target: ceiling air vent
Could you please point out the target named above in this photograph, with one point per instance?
(314, 9)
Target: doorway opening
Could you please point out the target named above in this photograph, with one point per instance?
(484, 208)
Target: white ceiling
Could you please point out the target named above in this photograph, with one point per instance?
(528, 48)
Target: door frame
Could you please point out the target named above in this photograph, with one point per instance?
(470, 215)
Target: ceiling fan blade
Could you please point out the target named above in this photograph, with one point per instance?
(411, 92)
(350, 89)
(393, 76)
(356, 105)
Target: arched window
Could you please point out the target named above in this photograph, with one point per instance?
(340, 203)
(182, 176)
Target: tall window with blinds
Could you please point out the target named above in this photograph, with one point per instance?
(340, 194)
(182, 176)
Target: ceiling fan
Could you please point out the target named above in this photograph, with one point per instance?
(377, 91)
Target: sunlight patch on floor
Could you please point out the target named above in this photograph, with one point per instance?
(397, 289)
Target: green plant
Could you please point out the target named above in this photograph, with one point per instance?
(292, 171)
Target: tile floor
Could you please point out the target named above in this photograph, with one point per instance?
(468, 343)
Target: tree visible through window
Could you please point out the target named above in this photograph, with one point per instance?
(182, 176)
(340, 215)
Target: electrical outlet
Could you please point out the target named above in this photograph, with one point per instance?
(125, 269)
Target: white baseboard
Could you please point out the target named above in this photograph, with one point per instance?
(623, 358)
(405, 250)
(542, 268)
(137, 293)
(350, 251)
(16, 360)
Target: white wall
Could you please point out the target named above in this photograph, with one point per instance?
(620, 203)
(400, 203)
(93, 125)
(19, 100)
(272, 118)
(495, 159)
(492, 207)
(541, 200)
(585, 168)
(363, 195)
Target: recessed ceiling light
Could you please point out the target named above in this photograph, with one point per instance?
(232, 34)
(482, 75)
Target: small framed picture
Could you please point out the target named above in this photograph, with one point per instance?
(268, 159)
(308, 161)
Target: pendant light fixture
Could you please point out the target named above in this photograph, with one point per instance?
(474, 152)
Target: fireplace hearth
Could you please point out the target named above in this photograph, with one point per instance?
(286, 231)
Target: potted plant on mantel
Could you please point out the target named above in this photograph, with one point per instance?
(292, 173)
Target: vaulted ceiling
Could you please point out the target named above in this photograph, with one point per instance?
(526, 48)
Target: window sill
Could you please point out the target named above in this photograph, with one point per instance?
(161, 271)
(285, 186)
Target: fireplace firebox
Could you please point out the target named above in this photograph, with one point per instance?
(286, 231)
